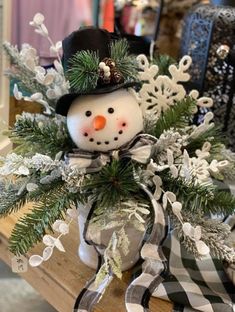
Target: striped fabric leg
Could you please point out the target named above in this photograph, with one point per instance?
(154, 266)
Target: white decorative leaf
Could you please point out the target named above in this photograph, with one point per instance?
(174, 171)
(188, 229)
(35, 260)
(58, 67)
(51, 94)
(38, 19)
(59, 245)
(143, 210)
(197, 232)
(140, 219)
(202, 248)
(64, 228)
(170, 158)
(72, 213)
(171, 196)
(48, 79)
(56, 225)
(36, 96)
(164, 201)
(48, 240)
(30, 187)
(17, 94)
(22, 170)
(47, 253)
(176, 208)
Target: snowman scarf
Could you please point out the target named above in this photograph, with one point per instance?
(154, 265)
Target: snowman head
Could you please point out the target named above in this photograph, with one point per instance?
(104, 122)
(102, 114)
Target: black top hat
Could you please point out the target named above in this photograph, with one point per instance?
(96, 40)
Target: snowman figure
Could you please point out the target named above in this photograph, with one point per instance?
(107, 117)
(100, 120)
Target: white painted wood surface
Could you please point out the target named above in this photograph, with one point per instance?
(5, 30)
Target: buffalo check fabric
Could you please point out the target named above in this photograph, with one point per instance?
(195, 285)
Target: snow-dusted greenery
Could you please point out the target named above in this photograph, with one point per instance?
(185, 161)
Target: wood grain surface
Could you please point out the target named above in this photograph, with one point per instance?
(60, 279)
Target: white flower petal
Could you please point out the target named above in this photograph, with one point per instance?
(202, 248)
(35, 260)
(47, 253)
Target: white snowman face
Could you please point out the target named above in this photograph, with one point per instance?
(104, 122)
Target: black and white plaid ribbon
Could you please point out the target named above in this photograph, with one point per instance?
(192, 284)
(154, 267)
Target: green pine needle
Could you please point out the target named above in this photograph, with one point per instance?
(31, 138)
(200, 198)
(10, 200)
(31, 228)
(83, 71)
(163, 62)
(177, 116)
(126, 63)
(114, 182)
(213, 135)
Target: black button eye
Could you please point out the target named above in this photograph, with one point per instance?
(88, 113)
(110, 110)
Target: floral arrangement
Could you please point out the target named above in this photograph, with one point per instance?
(177, 165)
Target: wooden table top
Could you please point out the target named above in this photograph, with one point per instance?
(60, 279)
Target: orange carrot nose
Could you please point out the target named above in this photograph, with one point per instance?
(99, 122)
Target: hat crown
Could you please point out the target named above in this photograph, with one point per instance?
(86, 38)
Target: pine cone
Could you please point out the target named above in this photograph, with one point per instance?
(116, 76)
(109, 62)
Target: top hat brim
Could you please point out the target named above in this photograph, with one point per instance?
(64, 103)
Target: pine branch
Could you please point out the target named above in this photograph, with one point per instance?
(214, 235)
(33, 136)
(212, 135)
(10, 200)
(126, 63)
(163, 62)
(178, 116)
(31, 228)
(22, 73)
(200, 198)
(115, 182)
(83, 72)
